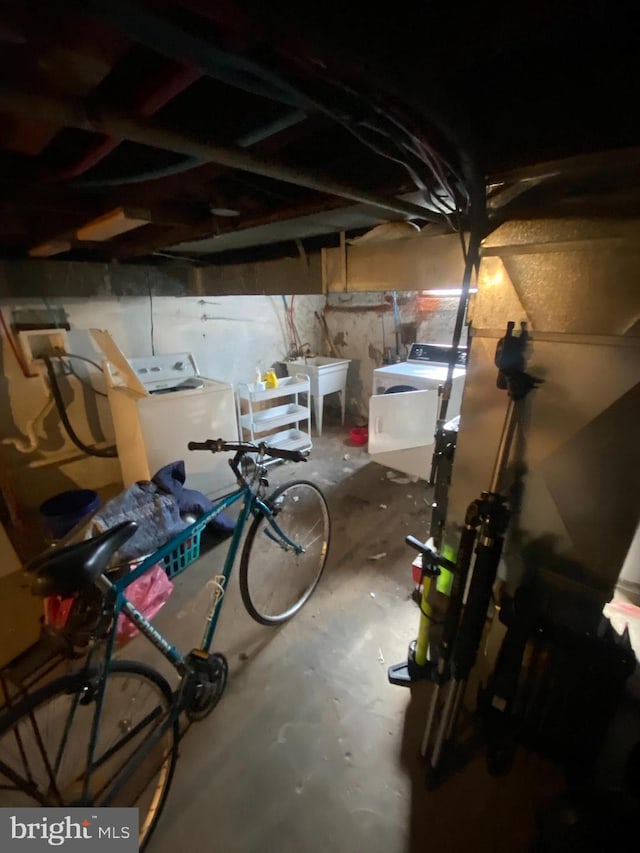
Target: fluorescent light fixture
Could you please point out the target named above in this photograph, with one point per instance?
(111, 224)
(50, 248)
(446, 291)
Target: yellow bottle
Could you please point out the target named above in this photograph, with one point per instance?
(270, 379)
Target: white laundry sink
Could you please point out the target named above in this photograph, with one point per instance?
(326, 375)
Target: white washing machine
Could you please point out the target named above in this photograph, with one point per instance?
(159, 404)
(404, 406)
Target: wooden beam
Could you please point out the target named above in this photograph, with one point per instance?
(315, 203)
(414, 263)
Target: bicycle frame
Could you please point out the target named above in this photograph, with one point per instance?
(123, 605)
(117, 603)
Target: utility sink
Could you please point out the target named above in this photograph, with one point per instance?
(326, 376)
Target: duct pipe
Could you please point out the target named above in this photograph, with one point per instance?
(74, 114)
(251, 137)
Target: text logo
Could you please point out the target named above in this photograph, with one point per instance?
(74, 829)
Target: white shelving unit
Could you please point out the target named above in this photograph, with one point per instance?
(264, 413)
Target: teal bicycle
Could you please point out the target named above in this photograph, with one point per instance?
(107, 734)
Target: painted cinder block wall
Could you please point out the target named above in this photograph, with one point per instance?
(362, 327)
(228, 335)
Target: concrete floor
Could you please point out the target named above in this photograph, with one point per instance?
(311, 749)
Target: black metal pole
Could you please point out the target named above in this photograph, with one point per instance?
(487, 520)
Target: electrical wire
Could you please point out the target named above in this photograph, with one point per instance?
(419, 148)
(33, 429)
(424, 154)
(436, 164)
(295, 345)
(288, 321)
(107, 452)
(438, 205)
(291, 326)
(377, 150)
(426, 157)
(296, 336)
(427, 151)
(86, 383)
(429, 617)
(79, 357)
(95, 364)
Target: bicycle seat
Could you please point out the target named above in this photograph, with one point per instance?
(64, 571)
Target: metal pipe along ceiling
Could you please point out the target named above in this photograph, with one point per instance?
(74, 114)
(251, 137)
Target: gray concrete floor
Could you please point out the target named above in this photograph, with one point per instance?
(311, 749)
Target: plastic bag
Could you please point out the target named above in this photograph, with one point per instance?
(57, 611)
(148, 594)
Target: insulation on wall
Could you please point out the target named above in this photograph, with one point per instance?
(573, 475)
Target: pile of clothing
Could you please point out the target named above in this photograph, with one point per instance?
(162, 507)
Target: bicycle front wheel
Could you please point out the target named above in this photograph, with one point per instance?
(44, 743)
(276, 578)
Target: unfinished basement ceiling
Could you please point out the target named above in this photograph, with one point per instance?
(239, 130)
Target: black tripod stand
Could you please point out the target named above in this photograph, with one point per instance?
(484, 530)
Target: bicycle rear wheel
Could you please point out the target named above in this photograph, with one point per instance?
(275, 579)
(44, 743)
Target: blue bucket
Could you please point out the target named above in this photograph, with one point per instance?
(62, 512)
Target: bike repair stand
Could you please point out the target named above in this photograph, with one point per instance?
(485, 522)
(485, 527)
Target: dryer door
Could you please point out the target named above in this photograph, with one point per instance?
(403, 420)
(401, 430)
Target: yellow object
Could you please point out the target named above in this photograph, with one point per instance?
(422, 643)
(445, 578)
(270, 379)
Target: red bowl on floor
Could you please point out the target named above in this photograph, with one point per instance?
(359, 435)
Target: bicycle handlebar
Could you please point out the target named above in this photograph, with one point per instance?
(218, 445)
